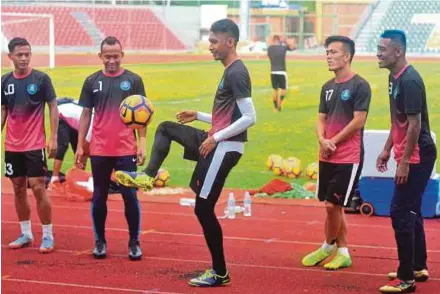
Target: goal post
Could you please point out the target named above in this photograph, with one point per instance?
(16, 25)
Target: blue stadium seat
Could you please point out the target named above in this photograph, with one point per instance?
(420, 36)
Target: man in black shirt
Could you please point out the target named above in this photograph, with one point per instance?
(415, 154)
(277, 55)
(216, 151)
(113, 146)
(343, 110)
(25, 93)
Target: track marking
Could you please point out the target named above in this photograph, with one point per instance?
(83, 252)
(274, 240)
(272, 267)
(87, 286)
(313, 222)
(148, 232)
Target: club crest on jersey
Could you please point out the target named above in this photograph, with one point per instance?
(125, 86)
(395, 93)
(345, 95)
(32, 89)
(220, 86)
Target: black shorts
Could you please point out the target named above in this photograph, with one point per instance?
(337, 182)
(66, 135)
(279, 81)
(210, 173)
(25, 164)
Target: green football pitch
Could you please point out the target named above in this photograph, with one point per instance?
(174, 87)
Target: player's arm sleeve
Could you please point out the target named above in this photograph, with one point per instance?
(322, 106)
(412, 94)
(240, 83)
(4, 98)
(247, 119)
(89, 132)
(85, 99)
(139, 87)
(363, 97)
(204, 117)
(49, 91)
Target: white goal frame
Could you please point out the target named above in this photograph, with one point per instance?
(31, 17)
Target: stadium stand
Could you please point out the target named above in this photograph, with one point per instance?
(75, 26)
(68, 32)
(138, 27)
(419, 19)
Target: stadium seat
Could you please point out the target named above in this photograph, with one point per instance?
(137, 28)
(68, 32)
(400, 15)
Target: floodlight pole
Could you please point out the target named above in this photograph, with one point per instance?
(244, 20)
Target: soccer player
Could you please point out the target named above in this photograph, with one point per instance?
(343, 110)
(415, 153)
(70, 113)
(113, 145)
(216, 151)
(277, 55)
(25, 92)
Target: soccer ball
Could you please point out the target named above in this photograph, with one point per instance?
(136, 111)
(272, 160)
(312, 171)
(277, 167)
(161, 178)
(291, 167)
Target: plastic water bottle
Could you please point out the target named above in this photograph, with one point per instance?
(247, 204)
(231, 206)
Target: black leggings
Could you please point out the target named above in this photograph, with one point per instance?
(66, 135)
(221, 162)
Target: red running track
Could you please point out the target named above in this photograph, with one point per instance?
(263, 252)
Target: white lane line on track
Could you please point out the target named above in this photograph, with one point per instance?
(263, 240)
(308, 222)
(86, 286)
(301, 269)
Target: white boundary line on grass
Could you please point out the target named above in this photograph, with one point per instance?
(86, 286)
(272, 240)
(312, 222)
(272, 267)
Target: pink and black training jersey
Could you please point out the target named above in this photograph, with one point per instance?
(104, 93)
(339, 100)
(408, 96)
(235, 84)
(25, 98)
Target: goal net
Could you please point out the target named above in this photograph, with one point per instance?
(38, 29)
